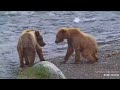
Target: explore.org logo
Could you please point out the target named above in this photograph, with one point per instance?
(107, 72)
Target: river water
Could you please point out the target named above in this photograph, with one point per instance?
(104, 25)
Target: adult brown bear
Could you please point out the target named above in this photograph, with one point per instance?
(29, 43)
(78, 41)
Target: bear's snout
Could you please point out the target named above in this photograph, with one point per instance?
(43, 44)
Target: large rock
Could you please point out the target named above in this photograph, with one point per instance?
(42, 70)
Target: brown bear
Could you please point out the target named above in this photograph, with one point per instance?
(29, 43)
(78, 41)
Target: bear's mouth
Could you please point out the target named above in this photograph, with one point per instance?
(42, 45)
(56, 42)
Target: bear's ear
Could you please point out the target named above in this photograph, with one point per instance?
(37, 33)
(38, 37)
(63, 30)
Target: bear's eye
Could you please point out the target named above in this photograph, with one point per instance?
(41, 38)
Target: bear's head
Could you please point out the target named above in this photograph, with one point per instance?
(39, 39)
(61, 35)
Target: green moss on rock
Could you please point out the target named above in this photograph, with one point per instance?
(42, 70)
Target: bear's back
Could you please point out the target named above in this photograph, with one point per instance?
(27, 38)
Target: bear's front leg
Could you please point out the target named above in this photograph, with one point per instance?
(68, 54)
(40, 53)
(77, 56)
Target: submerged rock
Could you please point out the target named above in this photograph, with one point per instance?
(42, 70)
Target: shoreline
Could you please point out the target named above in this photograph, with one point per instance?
(107, 67)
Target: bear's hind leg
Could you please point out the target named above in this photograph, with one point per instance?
(29, 55)
(31, 58)
(21, 59)
(26, 61)
(20, 53)
(26, 57)
(87, 54)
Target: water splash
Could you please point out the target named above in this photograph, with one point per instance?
(77, 20)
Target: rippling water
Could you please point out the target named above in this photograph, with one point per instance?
(105, 26)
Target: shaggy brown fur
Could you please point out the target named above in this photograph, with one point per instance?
(78, 41)
(29, 43)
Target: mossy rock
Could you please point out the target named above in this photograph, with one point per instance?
(42, 70)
